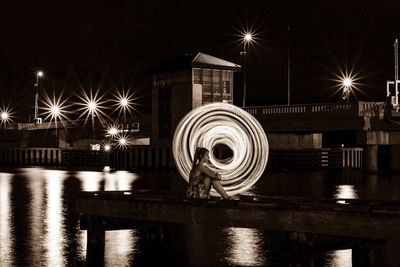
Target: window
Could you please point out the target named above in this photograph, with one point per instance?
(197, 76)
(226, 87)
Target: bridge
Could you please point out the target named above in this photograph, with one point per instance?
(301, 127)
(304, 127)
(133, 127)
(357, 116)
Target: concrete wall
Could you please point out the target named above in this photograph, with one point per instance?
(284, 141)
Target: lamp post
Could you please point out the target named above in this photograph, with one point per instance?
(55, 112)
(124, 105)
(92, 109)
(39, 75)
(247, 38)
(346, 84)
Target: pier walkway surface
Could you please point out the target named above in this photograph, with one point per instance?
(341, 217)
(112, 210)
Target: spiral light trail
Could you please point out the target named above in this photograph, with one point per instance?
(220, 124)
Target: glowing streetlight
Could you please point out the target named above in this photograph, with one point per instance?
(124, 103)
(107, 148)
(92, 107)
(112, 131)
(4, 116)
(122, 141)
(347, 83)
(39, 74)
(55, 111)
(55, 108)
(247, 39)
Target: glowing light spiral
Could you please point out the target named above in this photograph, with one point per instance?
(227, 125)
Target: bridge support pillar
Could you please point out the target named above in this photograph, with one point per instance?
(395, 158)
(371, 158)
(95, 241)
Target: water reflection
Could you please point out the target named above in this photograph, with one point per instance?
(39, 225)
(245, 247)
(6, 231)
(54, 223)
(91, 181)
(120, 180)
(341, 258)
(345, 192)
(120, 247)
(96, 181)
(36, 187)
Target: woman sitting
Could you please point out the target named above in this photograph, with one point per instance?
(201, 177)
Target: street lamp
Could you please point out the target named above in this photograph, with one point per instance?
(112, 131)
(346, 84)
(39, 74)
(124, 103)
(247, 38)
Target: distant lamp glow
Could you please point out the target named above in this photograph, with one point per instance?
(107, 148)
(39, 73)
(347, 82)
(248, 37)
(106, 169)
(124, 102)
(247, 41)
(112, 131)
(122, 141)
(4, 116)
(55, 110)
(92, 106)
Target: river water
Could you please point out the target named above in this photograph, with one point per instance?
(39, 225)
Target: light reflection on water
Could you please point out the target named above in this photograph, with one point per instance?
(54, 223)
(120, 247)
(6, 232)
(245, 247)
(341, 258)
(345, 192)
(36, 209)
(46, 230)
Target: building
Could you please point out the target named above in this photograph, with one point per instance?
(184, 83)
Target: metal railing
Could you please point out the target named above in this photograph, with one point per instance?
(368, 109)
(352, 157)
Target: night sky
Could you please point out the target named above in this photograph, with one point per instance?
(110, 45)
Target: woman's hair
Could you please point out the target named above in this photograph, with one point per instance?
(198, 154)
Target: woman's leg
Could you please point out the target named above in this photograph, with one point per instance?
(220, 189)
(207, 183)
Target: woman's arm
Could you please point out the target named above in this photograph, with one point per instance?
(207, 171)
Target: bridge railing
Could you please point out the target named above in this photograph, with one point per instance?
(369, 109)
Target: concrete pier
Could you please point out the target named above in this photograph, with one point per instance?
(371, 158)
(395, 158)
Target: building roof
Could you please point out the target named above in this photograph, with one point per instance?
(199, 60)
